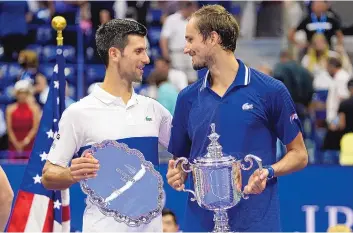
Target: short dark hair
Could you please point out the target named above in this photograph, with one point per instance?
(115, 34)
(335, 62)
(166, 211)
(216, 18)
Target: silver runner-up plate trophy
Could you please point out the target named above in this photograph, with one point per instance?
(127, 187)
(217, 180)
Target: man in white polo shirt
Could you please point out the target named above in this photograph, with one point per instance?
(172, 41)
(113, 111)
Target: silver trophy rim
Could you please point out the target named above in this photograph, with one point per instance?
(99, 201)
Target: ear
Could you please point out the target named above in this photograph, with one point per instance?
(214, 38)
(114, 54)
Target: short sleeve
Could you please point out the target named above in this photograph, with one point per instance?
(284, 117)
(180, 143)
(165, 126)
(167, 28)
(68, 139)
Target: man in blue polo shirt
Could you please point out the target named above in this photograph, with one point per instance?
(250, 109)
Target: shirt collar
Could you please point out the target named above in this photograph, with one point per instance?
(109, 99)
(241, 79)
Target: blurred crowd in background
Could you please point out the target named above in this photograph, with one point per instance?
(302, 43)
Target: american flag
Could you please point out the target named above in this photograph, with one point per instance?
(36, 208)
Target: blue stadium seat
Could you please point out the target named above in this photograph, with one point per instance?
(49, 53)
(69, 53)
(155, 52)
(14, 72)
(146, 71)
(70, 73)
(4, 81)
(94, 73)
(44, 35)
(154, 33)
(154, 16)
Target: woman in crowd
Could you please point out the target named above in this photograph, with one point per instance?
(22, 118)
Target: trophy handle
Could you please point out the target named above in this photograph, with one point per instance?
(184, 161)
(249, 158)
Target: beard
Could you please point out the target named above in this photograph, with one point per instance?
(199, 66)
(136, 78)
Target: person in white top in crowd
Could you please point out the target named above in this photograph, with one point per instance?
(338, 91)
(6, 198)
(172, 41)
(113, 111)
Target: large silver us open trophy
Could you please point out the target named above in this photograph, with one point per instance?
(217, 180)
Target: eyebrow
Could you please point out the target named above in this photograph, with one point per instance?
(144, 48)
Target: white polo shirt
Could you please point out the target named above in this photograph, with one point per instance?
(100, 116)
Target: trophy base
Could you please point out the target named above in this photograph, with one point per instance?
(220, 219)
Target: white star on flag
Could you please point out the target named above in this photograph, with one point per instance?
(50, 133)
(57, 101)
(57, 204)
(55, 120)
(43, 156)
(56, 84)
(37, 179)
(56, 69)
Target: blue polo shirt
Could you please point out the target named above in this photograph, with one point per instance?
(255, 111)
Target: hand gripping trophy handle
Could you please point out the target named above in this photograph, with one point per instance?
(184, 161)
(249, 158)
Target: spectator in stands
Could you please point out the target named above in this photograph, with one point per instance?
(176, 77)
(345, 111)
(14, 16)
(337, 93)
(22, 121)
(167, 93)
(101, 12)
(168, 8)
(172, 39)
(319, 21)
(298, 80)
(169, 219)
(29, 62)
(6, 198)
(338, 90)
(315, 61)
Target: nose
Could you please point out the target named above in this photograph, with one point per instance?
(186, 50)
(146, 59)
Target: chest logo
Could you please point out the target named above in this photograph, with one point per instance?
(247, 106)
